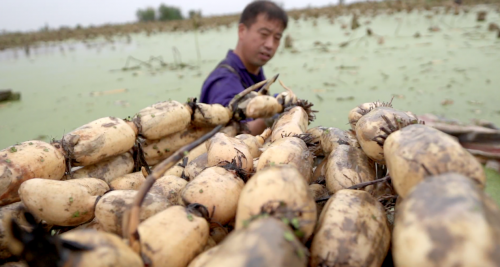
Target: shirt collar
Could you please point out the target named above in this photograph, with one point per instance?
(235, 58)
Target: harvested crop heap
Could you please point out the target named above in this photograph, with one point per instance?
(184, 185)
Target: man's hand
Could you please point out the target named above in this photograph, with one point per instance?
(256, 126)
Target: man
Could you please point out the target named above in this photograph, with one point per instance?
(260, 30)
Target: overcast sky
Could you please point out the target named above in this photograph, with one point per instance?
(26, 15)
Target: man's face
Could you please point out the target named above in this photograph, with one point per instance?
(261, 40)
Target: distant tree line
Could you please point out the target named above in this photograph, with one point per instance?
(163, 13)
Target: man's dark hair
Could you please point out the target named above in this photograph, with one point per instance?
(270, 9)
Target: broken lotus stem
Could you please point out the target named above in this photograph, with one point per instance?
(359, 186)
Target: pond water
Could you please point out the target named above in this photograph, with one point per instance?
(452, 72)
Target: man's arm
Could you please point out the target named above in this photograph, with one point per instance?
(223, 89)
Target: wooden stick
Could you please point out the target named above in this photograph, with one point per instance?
(485, 154)
(131, 216)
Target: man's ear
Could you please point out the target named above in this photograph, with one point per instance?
(242, 29)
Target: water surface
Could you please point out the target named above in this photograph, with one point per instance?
(452, 72)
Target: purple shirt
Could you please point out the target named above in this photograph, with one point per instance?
(222, 84)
